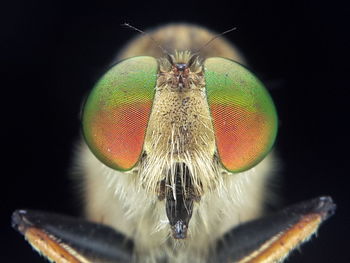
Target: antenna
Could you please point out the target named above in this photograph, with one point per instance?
(148, 35)
(215, 37)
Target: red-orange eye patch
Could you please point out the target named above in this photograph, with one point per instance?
(243, 114)
(116, 113)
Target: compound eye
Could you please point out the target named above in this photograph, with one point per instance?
(243, 114)
(117, 111)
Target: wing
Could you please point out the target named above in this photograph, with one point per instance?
(272, 238)
(64, 239)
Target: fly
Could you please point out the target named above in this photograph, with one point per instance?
(177, 151)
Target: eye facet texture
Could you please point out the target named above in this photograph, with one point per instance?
(243, 114)
(117, 110)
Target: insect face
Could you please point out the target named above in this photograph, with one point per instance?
(186, 119)
(168, 172)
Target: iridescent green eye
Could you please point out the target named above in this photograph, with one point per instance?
(244, 116)
(116, 113)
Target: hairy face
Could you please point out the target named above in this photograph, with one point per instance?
(166, 120)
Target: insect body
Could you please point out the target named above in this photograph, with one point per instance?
(177, 158)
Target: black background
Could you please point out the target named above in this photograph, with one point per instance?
(52, 52)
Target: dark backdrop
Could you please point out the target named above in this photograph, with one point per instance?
(52, 52)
